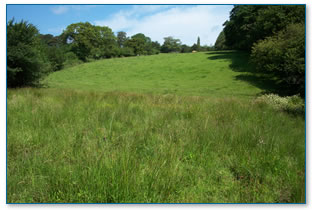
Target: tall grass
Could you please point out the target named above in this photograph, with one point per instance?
(93, 147)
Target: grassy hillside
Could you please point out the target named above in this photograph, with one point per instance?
(212, 74)
(109, 132)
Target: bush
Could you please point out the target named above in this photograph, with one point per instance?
(283, 55)
(292, 104)
(71, 59)
(56, 57)
(26, 61)
(127, 51)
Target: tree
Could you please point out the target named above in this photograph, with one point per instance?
(121, 38)
(250, 23)
(275, 35)
(220, 43)
(50, 40)
(87, 40)
(142, 45)
(283, 55)
(198, 44)
(171, 45)
(137, 43)
(106, 42)
(26, 61)
(185, 49)
(194, 47)
(127, 51)
(156, 47)
(54, 49)
(56, 57)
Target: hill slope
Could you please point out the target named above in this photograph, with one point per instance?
(213, 73)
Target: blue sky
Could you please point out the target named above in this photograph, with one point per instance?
(185, 22)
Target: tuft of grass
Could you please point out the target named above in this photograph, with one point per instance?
(117, 147)
(292, 104)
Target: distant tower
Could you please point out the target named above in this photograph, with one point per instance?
(198, 44)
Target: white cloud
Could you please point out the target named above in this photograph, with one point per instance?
(183, 22)
(128, 19)
(63, 9)
(120, 21)
(84, 7)
(59, 9)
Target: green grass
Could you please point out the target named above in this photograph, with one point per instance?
(196, 74)
(99, 143)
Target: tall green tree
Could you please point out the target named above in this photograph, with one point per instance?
(220, 43)
(50, 40)
(87, 40)
(26, 61)
(276, 36)
(105, 42)
(171, 45)
(283, 55)
(250, 23)
(54, 49)
(156, 47)
(121, 38)
(185, 49)
(141, 45)
(198, 44)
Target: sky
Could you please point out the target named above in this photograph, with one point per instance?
(185, 22)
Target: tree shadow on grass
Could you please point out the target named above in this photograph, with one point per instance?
(240, 62)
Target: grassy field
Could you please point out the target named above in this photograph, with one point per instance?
(109, 132)
(208, 74)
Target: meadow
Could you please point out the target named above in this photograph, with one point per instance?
(222, 73)
(168, 128)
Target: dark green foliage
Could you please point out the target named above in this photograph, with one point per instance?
(55, 50)
(283, 55)
(156, 47)
(71, 59)
(142, 45)
(198, 44)
(138, 42)
(56, 57)
(185, 49)
(171, 45)
(89, 41)
(26, 61)
(250, 23)
(127, 51)
(276, 36)
(220, 42)
(50, 40)
(194, 47)
(121, 38)
(208, 48)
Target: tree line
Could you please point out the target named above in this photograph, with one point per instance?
(31, 55)
(274, 35)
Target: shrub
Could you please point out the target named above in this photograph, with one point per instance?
(56, 57)
(26, 61)
(283, 55)
(292, 104)
(127, 51)
(71, 59)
